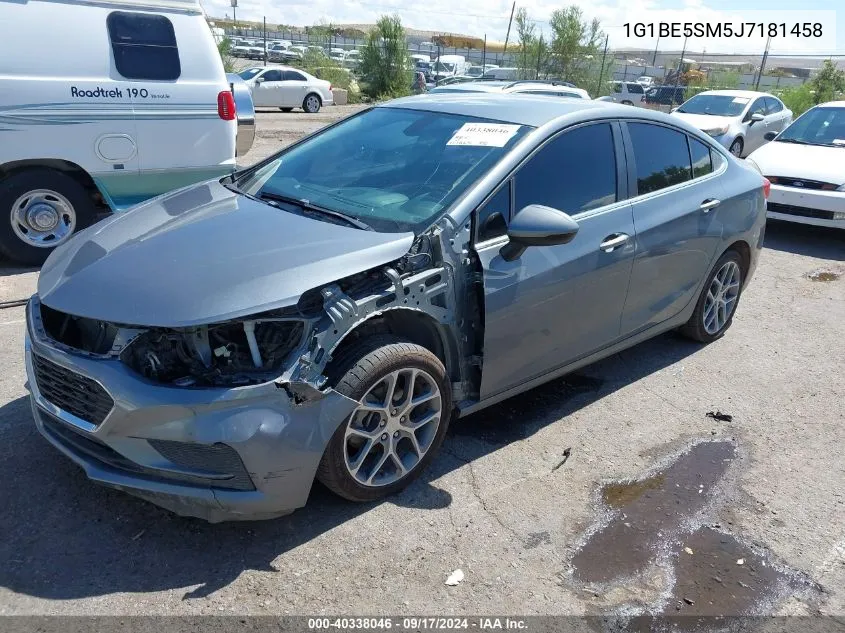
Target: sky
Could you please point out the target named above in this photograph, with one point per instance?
(490, 17)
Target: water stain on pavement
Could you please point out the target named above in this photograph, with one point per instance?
(707, 571)
(824, 275)
(649, 509)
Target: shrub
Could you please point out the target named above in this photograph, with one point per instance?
(384, 60)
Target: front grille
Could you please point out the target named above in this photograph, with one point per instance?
(78, 395)
(787, 181)
(803, 212)
(94, 449)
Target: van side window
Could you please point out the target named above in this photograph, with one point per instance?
(144, 46)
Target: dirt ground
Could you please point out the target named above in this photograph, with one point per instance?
(502, 502)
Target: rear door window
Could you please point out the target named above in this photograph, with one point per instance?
(291, 75)
(635, 89)
(701, 160)
(773, 106)
(144, 46)
(662, 156)
(272, 75)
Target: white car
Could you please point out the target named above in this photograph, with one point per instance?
(645, 81)
(737, 119)
(287, 88)
(515, 87)
(626, 93)
(240, 48)
(806, 166)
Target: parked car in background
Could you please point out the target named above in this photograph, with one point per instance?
(738, 119)
(277, 51)
(337, 54)
(352, 290)
(504, 74)
(626, 93)
(287, 88)
(645, 81)
(665, 95)
(459, 79)
(806, 166)
(144, 107)
(352, 58)
(508, 87)
(240, 48)
(449, 66)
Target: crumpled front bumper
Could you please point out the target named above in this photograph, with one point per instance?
(277, 442)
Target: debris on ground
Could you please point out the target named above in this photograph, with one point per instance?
(740, 561)
(718, 415)
(455, 578)
(688, 550)
(566, 453)
(138, 535)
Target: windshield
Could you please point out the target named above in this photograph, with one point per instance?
(716, 105)
(394, 169)
(249, 73)
(444, 67)
(819, 126)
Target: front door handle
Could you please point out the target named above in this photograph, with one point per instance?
(612, 242)
(710, 203)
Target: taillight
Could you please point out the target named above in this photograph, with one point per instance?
(767, 187)
(226, 106)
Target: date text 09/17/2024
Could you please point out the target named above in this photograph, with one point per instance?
(723, 29)
(416, 623)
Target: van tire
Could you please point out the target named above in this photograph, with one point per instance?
(312, 102)
(12, 246)
(286, 109)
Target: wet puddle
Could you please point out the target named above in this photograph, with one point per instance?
(824, 275)
(652, 520)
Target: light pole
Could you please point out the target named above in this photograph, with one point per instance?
(235, 12)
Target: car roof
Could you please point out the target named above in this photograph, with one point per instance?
(832, 104)
(737, 93)
(522, 109)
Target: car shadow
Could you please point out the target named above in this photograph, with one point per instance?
(805, 239)
(66, 538)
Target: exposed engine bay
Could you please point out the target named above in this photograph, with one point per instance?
(292, 345)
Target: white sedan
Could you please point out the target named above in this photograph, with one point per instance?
(737, 119)
(287, 88)
(806, 166)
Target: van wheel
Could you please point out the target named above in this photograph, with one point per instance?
(312, 103)
(39, 210)
(286, 109)
(405, 403)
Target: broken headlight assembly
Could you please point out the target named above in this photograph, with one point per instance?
(234, 353)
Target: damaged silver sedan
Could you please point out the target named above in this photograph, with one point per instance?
(327, 312)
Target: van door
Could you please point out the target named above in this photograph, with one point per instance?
(175, 77)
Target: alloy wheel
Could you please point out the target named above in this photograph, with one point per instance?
(393, 427)
(721, 298)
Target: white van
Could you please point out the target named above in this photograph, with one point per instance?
(121, 101)
(450, 66)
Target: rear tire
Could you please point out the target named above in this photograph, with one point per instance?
(41, 195)
(312, 102)
(379, 450)
(718, 301)
(626, 102)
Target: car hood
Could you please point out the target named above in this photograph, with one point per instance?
(705, 121)
(201, 255)
(813, 162)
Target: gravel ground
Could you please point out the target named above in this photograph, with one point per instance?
(496, 503)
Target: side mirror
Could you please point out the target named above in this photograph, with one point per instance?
(537, 225)
(756, 117)
(673, 109)
(770, 136)
(259, 80)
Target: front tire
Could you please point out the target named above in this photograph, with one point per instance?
(737, 147)
(39, 210)
(719, 298)
(405, 405)
(626, 102)
(311, 104)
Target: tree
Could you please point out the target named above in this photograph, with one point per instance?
(527, 43)
(224, 47)
(575, 51)
(384, 60)
(828, 83)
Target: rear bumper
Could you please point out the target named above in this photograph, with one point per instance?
(218, 454)
(819, 208)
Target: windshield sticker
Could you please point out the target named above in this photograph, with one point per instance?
(839, 141)
(484, 134)
(741, 100)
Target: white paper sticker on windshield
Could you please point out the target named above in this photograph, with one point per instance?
(741, 100)
(839, 141)
(483, 134)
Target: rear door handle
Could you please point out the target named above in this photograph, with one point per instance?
(612, 242)
(710, 203)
